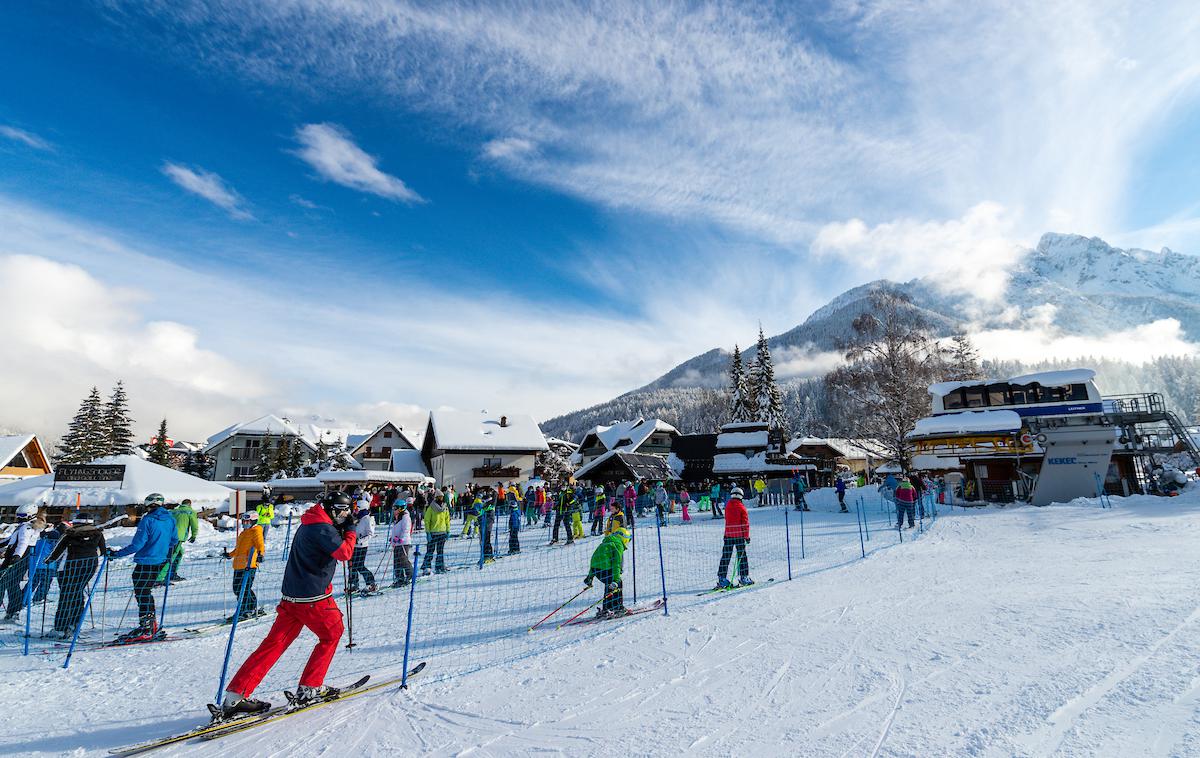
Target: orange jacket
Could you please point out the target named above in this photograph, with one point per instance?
(249, 539)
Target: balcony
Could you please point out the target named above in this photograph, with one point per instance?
(496, 472)
(244, 453)
(378, 455)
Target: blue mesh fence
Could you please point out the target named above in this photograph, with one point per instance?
(475, 600)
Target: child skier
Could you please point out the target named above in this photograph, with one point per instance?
(685, 500)
(400, 538)
(514, 528)
(737, 536)
(598, 509)
(605, 565)
(249, 549)
(326, 536)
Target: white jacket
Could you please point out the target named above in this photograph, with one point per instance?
(401, 533)
(365, 529)
(21, 539)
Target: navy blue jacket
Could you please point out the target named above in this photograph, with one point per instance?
(316, 549)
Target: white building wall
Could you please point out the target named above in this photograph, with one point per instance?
(456, 468)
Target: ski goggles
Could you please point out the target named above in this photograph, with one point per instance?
(155, 500)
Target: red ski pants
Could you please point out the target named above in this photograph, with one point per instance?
(322, 618)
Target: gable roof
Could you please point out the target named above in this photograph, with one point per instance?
(628, 435)
(409, 461)
(463, 430)
(263, 426)
(639, 465)
(12, 444)
(362, 439)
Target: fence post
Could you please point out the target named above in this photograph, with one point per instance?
(86, 606)
(662, 565)
(162, 616)
(237, 615)
(35, 557)
(287, 538)
(633, 539)
(802, 533)
(787, 538)
(412, 594)
(863, 512)
(859, 518)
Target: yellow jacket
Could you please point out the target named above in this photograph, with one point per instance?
(249, 539)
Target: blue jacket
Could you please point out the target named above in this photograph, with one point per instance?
(316, 549)
(514, 520)
(840, 485)
(154, 539)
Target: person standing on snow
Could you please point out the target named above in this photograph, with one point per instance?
(577, 516)
(906, 499)
(80, 549)
(187, 526)
(400, 537)
(798, 489)
(531, 514)
(151, 548)
(629, 500)
(598, 512)
(715, 494)
(249, 549)
(487, 526)
(562, 515)
(607, 561)
(325, 537)
(16, 560)
(471, 514)
(737, 536)
(364, 531)
(437, 530)
(265, 511)
(840, 487)
(514, 527)
(685, 501)
(660, 503)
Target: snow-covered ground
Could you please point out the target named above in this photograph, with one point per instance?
(1066, 630)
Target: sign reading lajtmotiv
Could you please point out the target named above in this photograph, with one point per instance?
(89, 473)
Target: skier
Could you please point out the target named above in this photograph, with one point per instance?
(437, 530)
(840, 487)
(44, 568)
(685, 502)
(715, 496)
(80, 548)
(798, 490)
(364, 530)
(737, 536)
(598, 509)
(471, 516)
(326, 536)
(562, 515)
(606, 564)
(249, 549)
(151, 547)
(400, 537)
(265, 511)
(16, 559)
(514, 528)
(187, 526)
(906, 498)
(629, 497)
(487, 521)
(660, 503)
(577, 515)
(531, 514)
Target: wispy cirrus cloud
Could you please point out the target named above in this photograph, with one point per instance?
(29, 139)
(331, 152)
(209, 186)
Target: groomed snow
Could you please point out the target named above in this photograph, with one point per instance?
(1068, 630)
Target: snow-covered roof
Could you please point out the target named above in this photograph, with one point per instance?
(741, 440)
(462, 430)
(10, 445)
(409, 461)
(744, 426)
(737, 463)
(268, 425)
(796, 443)
(348, 477)
(141, 479)
(968, 422)
(629, 435)
(1044, 378)
(362, 439)
(857, 449)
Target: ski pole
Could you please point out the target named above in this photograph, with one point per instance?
(78, 626)
(787, 538)
(559, 608)
(412, 594)
(237, 615)
(585, 610)
(162, 616)
(349, 605)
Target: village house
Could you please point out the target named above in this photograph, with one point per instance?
(461, 447)
(21, 456)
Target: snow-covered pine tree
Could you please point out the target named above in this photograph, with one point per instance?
(283, 454)
(962, 362)
(322, 454)
(118, 426)
(768, 398)
(339, 458)
(160, 452)
(295, 461)
(738, 391)
(85, 437)
(264, 468)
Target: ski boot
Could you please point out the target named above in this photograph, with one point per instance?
(371, 589)
(723, 584)
(144, 633)
(745, 581)
(236, 706)
(601, 613)
(306, 695)
(618, 612)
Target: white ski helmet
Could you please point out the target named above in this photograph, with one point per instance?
(27, 511)
(737, 492)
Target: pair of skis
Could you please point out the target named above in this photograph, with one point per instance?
(221, 727)
(732, 588)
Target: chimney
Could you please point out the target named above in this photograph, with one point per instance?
(503, 421)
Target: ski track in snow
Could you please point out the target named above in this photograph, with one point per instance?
(1062, 631)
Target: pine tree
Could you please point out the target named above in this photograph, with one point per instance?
(264, 468)
(962, 360)
(283, 454)
(738, 391)
(295, 462)
(160, 453)
(322, 454)
(85, 437)
(768, 398)
(117, 424)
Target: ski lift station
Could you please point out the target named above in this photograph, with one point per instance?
(1047, 437)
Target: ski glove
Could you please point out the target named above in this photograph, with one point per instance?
(588, 581)
(611, 587)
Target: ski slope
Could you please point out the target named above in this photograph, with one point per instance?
(1068, 630)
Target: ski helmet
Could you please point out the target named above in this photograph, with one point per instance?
(249, 515)
(737, 492)
(83, 517)
(154, 499)
(336, 501)
(27, 511)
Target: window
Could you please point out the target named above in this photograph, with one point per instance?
(975, 397)
(1078, 392)
(243, 472)
(368, 450)
(253, 443)
(386, 452)
(1054, 394)
(387, 434)
(491, 463)
(998, 395)
(953, 400)
(1022, 395)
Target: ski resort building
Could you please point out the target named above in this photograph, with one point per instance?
(386, 447)
(750, 450)
(1044, 437)
(236, 450)
(644, 436)
(480, 448)
(22, 456)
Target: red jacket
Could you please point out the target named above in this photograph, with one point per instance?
(737, 521)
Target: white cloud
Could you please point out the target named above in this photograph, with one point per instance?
(209, 186)
(29, 139)
(1040, 340)
(971, 255)
(508, 147)
(303, 202)
(331, 152)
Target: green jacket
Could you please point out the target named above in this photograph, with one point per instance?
(609, 556)
(187, 526)
(437, 519)
(266, 513)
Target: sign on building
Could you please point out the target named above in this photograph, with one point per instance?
(87, 473)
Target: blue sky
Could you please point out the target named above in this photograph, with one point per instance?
(359, 209)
